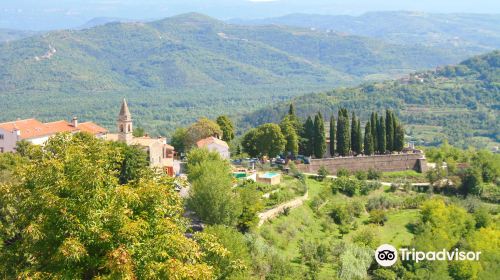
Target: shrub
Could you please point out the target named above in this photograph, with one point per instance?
(367, 237)
(373, 174)
(367, 187)
(356, 208)
(382, 202)
(340, 215)
(346, 185)
(342, 172)
(361, 175)
(378, 217)
(322, 173)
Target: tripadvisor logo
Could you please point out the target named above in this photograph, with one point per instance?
(387, 255)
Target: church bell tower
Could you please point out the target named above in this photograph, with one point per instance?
(124, 124)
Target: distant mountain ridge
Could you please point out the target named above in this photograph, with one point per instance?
(194, 50)
(469, 33)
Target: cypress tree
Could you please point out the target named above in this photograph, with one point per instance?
(319, 136)
(343, 135)
(291, 110)
(389, 130)
(359, 138)
(373, 123)
(381, 140)
(332, 136)
(309, 136)
(291, 137)
(399, 138)
(354, 139)
(368, 139)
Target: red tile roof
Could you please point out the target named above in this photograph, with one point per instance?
(204, 142)
(32, 128)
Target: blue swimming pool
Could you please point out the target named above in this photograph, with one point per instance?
(269, 175)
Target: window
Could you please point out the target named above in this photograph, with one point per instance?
(1, 149)
(1, 136)
(121, 128)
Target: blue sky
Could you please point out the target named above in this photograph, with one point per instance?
(51, 14)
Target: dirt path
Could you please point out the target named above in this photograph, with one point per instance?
(276, 211)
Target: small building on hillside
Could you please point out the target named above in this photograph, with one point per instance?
(160, 154)
(214, 144)
(37, 133)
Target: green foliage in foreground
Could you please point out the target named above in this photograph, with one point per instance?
(65, 215)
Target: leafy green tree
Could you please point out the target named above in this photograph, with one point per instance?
(227, 127)
(384, 274)
(69, 218)
(178, 140)
(291, 136)
(309, 136)
(354, 262)
(332, 136)
(139, 132)
(368, 141)
(270, 140)
(249, 142)
(199, 156)
(211, 194)
(471, 181)
(319, 136)
(201, 129)
(237, 263)
(134, 164)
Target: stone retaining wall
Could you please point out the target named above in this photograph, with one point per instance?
(383, 163)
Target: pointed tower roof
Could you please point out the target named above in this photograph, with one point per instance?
(124, 111)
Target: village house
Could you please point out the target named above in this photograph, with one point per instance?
(214, 144)
(160, 154)
(37, 133)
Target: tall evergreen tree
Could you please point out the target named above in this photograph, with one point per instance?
(332, 136)
(359, 138)
(319, 136)
(389, 130)
(291, 137)
(399, 138)
(381, 140)
(309, 136)
(354, 139)
(373, 123)
(368, 148)
(291, 110)
(343, 135)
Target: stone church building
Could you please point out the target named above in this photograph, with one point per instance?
(160, 154)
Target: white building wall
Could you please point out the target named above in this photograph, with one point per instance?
(222, 150)
(8, 143)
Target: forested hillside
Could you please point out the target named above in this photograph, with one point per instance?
(459, 103)
(467, 34)
(194, 50)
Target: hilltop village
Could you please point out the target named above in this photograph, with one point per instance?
(287, 199)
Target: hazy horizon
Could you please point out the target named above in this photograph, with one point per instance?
(53, 14)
